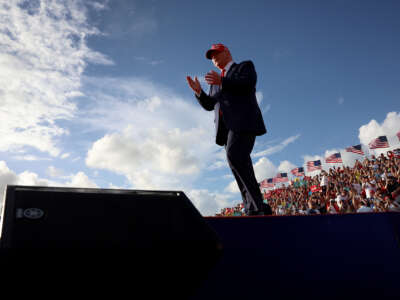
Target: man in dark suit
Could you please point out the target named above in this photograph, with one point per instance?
(238, 119)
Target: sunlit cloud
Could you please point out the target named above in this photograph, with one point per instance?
(40, 76)
(277, 148)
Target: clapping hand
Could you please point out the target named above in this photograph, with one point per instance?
(194, 84)
(213, 77)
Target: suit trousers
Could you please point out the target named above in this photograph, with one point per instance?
(238, 148)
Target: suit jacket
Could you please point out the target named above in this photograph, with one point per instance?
(236, 97)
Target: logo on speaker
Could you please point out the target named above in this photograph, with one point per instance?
(33, 213)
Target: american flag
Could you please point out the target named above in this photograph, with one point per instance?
(396, 152)
(314, 165)
(380, 142)
(334, 158)
(281, 177)
(398, 135)
(298, 171)
(355, 149)
(267, 183)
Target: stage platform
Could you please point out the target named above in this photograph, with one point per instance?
(273, 257)
(310, 257)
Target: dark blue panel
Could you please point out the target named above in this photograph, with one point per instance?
(321, 257)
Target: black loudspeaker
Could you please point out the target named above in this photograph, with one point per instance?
(105, 241)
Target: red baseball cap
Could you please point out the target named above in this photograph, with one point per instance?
(215, 47)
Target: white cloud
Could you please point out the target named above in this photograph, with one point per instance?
(259, 96)
(54, 172)
(164, 153)
(152, 62)
(65, 155)
(220, 154)
(8, 176)
(31, 178)
(219, 164)
(156, 139)
(98, 5)
(156, 62)
(266, 109)
(232, 187)
(43, 53)
(209, 203)
(277, 148)
(113, 186)
(263, 168)
(117, 103)
(285, 167)
(80, 179)
(389, 127)
(30, 157)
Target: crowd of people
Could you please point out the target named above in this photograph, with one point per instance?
(371, 185)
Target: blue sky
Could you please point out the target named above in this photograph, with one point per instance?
(93, 93)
